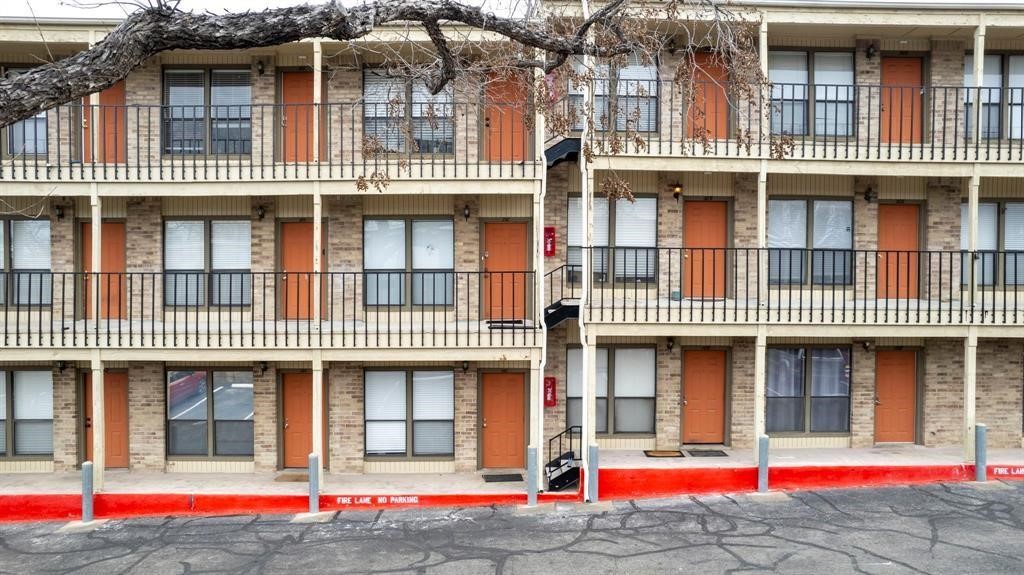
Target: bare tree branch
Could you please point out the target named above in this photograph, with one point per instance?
(161, 26)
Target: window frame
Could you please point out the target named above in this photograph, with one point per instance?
(999, 275)
(5, 133)
(7, 380)
(208, 272)
(409, 271)
(806, 260)
(808, 394)
(408, 117)
(207, 107)
(410, 444)
(612, 96)
(811, 101)
(8, 272)
(211, 421)
(608, 279)
(1005, 91)
(611, 397)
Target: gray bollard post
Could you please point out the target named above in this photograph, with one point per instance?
(762, 464)
(314, 484)
(531, 476)
(980, 452)
(86, 492)
(592, 479)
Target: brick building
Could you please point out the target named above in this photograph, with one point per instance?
(860, 289)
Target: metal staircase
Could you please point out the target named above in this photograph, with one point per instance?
(563, 467)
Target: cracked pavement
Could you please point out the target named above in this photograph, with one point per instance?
(953, 528)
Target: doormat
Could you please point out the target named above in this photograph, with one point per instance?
(707, 453)
(292, 477)
(663, 453)
(503, 477)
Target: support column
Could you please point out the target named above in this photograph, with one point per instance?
(96, 263)
(537, 421)
(318, 59)
(99, 421)
(589, 419)
(762, 240)
(318, 415)
(979, 77)
(760, 378)
(970, 391)
(589, 351)
(318, 236)
(972, 234)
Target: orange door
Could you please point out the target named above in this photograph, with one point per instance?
(115, 418)
(895, 396)
(505, 260)
(898, 242)
(297, 414)
(901, 100)
(113, 293)
(296, 288)
(503, 120)
(708, 116)
(704, 226)
(111, 121)
(704, 396)
(504, 415)
(297, 117)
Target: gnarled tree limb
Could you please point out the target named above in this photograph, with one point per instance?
(161, 27)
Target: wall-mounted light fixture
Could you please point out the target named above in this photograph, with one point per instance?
(465, 366)
(259, 67)
(259, 368)
(261, 211)
(677, 191)
(671, 343)
(465, 212)
(61, 366)
(871, 51)
(58, 211)
(870, 195)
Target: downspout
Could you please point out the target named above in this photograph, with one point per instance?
(539, 129)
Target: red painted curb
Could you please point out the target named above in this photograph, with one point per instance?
(666, 482)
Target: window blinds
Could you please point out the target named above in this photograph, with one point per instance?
(231, 245)
(1013, 242)
(433, 244)
(385, 412)
(384, 244)
(33, 412)
(30, 244)
(184, 245)
(988, 241)
(384, 102)
(787, 229)
(433, 405)
(832, 238)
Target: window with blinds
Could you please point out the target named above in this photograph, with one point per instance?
(988, 243)
(833, 93)
(1013, 242)
(31, 282)
(636, 93)
(625, 389)
(227, 278)
(395, 108)
(598, 78)
(30, 429)
(429, 261)
(1015, 97)
(787, 72)
(832, 240)
(185, 263)
(410, 404)
(636, 229)
(990, 96)
(28, 136)
(231, 262)
(207, 111)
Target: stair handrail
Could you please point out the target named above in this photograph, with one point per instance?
(572, 434)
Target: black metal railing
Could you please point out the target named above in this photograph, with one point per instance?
(375, 142)
(563, 284)
(783, 285)
(803, 121)
(568, 441)
(444, 308)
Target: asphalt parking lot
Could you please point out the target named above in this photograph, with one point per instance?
(955, 528)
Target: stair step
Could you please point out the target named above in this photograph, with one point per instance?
(559, 482)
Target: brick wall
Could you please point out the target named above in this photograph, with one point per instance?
(146, 416)
(946, 70)
(144, 234)
(265, 428)
(942, 233)
(554, 417)
(862, 398)
(742, 394)
(466, 411)
(345, 431)
(943, 392)
(66, 422)
(669, 395)
(1000, 376)
(63, 255)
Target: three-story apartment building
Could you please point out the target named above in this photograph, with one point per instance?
(230, 260)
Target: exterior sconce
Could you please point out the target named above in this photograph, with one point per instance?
(259, 67)
(261, 211)
(671, 343)
(871, 51)
(870, 195)
(61, 366)
(259, 368)
(465, 366)
(58, 211)
(677, 191)
(465, 212)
